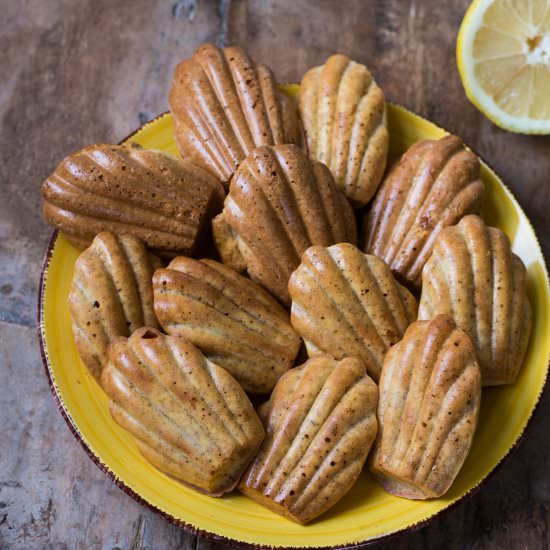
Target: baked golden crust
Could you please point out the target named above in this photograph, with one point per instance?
(189, 417)
(280, 203)
(428, 406)
(128, 190)
(473, 276)
(111, 295)
(232, 320)
(344, 116)
(434, 184)
(224, 105)
(321, 422)
(346, 303)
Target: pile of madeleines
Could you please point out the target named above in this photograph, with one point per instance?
(202, 277)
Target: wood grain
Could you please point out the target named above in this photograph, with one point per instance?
(76, 72)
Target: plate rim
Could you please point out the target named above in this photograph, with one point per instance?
(190, 528)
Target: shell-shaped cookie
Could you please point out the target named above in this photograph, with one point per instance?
(473, 276)
(344, 115)
(232, 320)
(428, 406)
(111, 295)
(224, 105)
(128, 190)
(189, 417)
(321, 423)
(345, 303)
(280, 203)
(434, 185)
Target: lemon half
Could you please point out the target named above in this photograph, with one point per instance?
(503, 55)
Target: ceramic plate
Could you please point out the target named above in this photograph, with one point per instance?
(366, 513)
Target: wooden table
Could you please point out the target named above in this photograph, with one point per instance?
(78, 72)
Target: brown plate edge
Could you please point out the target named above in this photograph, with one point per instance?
(220, 538)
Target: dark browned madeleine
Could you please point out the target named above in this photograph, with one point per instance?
(473, 276)
(430, 391)
(344, 116)
(280, 202)
(434, 184)
(235, 322)
(111, 295)
(128, 190)
(320, 423)
(346, 303)
(188, 416)
(224, 105)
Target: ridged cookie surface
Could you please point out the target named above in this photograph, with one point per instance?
(473, 276)
(321, 422)
(346, 303)
(428, 407)
(111, 295)
(224, 105)
(434, 184)
(188, 416)
(232, 320)
(344, 115)
(128, 190)
(280, 203)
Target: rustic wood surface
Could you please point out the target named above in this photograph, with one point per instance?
(76, 72)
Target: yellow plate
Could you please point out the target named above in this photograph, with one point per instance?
(366, 512)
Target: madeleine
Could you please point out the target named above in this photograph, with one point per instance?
(127, 190)
(344, 115)
(320, 423)
(473, 276)
(189, 417)
(224, 105)
(345, 303)
(111, 295)
(430, 390)
(280, 203)
(434, 184)
(231, 319)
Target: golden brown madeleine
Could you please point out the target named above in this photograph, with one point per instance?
(224, 105)
(321, 423)
(430, 389)
(232, 320)
(344, 115)
(345, 303)
(434, 184)
(473, 276)
(128, 190)
(111, 295)
(280, 203)
(189, 417)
